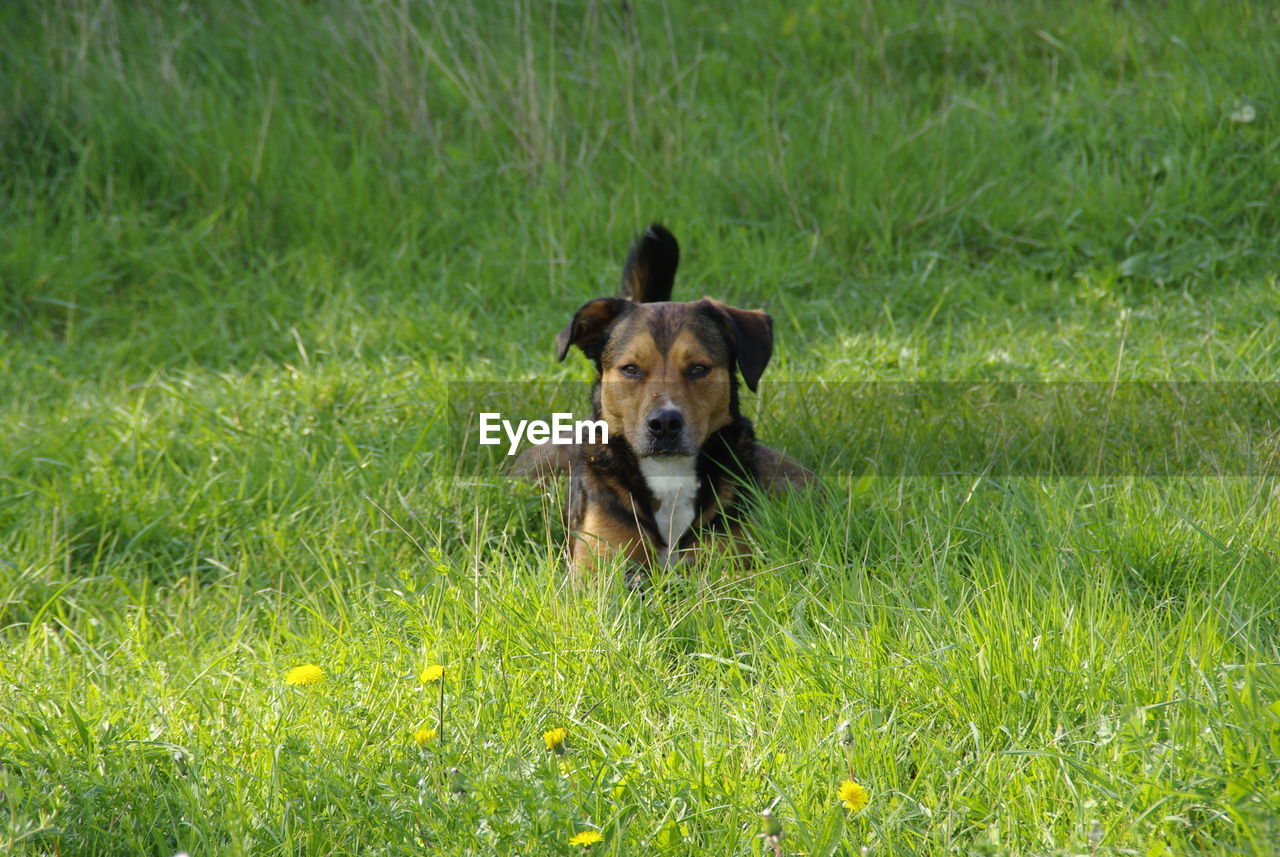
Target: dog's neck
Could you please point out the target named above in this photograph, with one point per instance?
(673, 482)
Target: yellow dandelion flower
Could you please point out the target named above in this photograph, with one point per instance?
(432, 673)
(855, 797)
(422, 736)
(586, 837)
(555, 739)
(303, 675)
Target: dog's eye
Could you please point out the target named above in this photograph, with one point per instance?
(631, 370)
(697, 370)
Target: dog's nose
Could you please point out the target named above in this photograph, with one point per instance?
(666, 423)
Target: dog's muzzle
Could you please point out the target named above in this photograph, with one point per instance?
(665, 432)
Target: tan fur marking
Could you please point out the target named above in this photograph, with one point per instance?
(601, 537)
(625, 402)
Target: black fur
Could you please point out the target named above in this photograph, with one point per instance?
(650, 272)
(600, 470)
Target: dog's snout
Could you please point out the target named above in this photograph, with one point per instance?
(666, 423)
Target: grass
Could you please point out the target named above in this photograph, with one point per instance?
(247, 250)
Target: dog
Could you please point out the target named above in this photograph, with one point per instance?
(681, 461)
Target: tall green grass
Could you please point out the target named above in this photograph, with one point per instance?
(246, 248)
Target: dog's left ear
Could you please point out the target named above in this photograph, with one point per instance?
(750, 333)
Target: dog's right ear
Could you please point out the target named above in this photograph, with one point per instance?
(589, 325)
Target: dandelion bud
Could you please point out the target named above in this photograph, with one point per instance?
(555, 739)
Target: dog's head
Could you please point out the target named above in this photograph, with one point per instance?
(668, 371)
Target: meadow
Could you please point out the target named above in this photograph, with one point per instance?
(249, 251)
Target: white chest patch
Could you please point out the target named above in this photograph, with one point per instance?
(673, 481)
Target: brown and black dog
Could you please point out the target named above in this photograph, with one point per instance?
(680, 460)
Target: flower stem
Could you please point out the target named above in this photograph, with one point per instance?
(440, 715)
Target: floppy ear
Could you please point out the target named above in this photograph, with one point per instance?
(750, 334)
(650, 271)
(588, 327)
